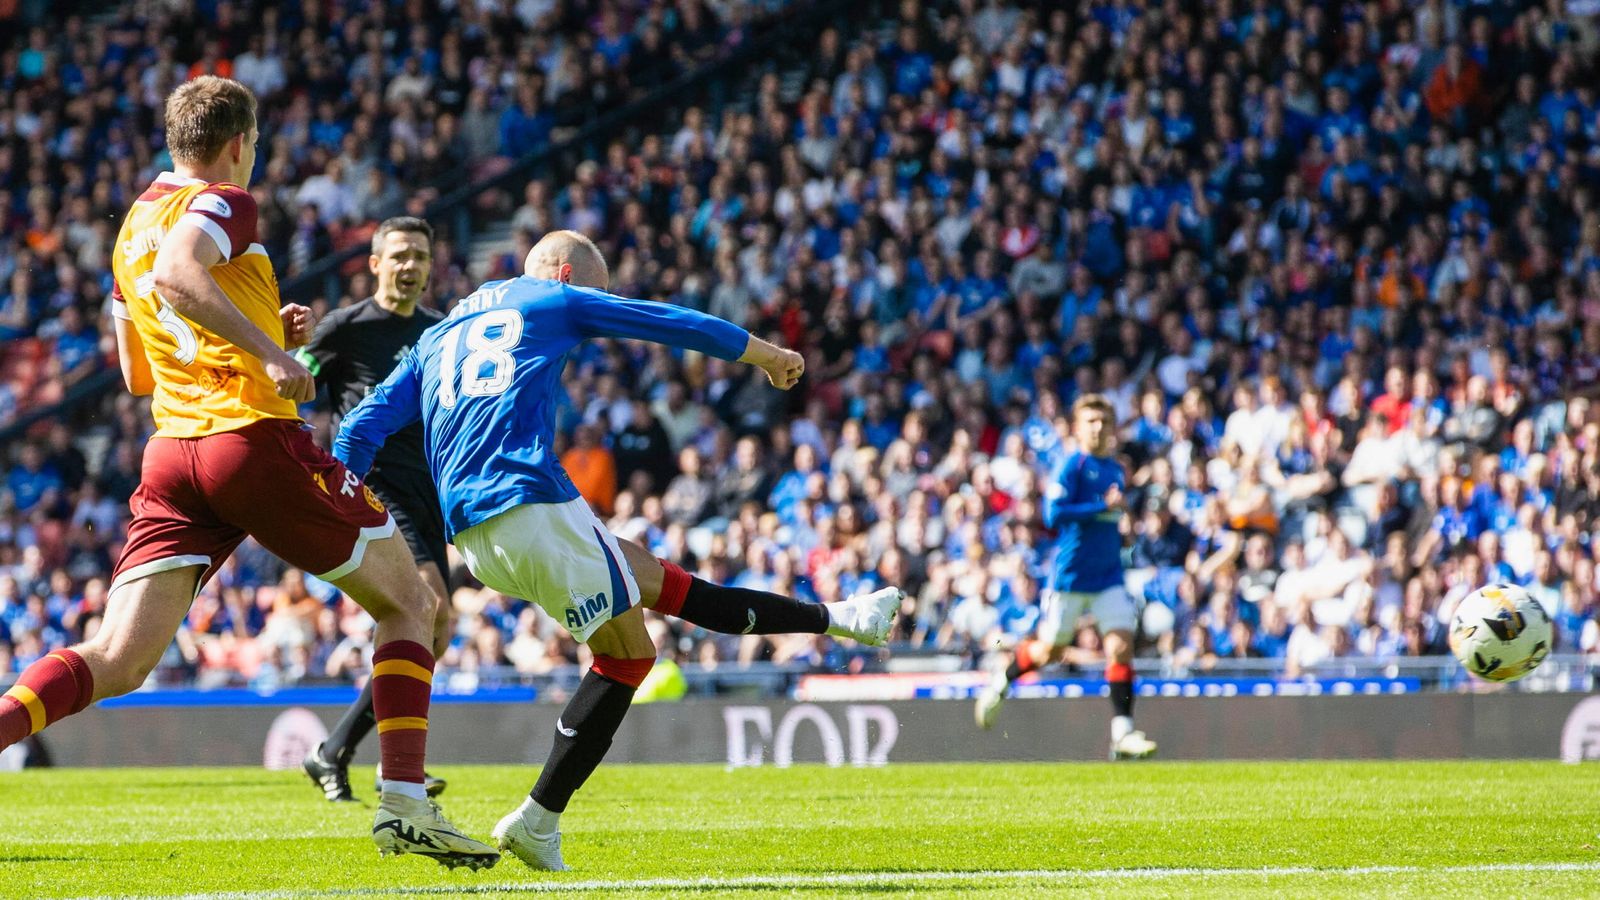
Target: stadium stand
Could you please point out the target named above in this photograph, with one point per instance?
(1336, 266)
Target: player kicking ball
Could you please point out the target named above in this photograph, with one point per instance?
(352, 350)
(1084, 503)
(484, 383)
(199, 327)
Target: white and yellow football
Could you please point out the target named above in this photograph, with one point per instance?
(1500, 633)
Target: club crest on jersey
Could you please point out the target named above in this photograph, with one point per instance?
(584, 609)
(372, 499)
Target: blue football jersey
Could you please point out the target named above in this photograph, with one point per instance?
(486, 383)
(1089, 543)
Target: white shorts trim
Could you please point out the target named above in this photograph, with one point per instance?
(557, 555)
(367, 536)
(1059, 611)
(157, 566)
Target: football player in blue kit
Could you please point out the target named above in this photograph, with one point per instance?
(1084, 502)
(484, 383)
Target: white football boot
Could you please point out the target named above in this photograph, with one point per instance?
(407, 825)
(866, 617)
(539, 851)
(1133, 745)
(987, 707)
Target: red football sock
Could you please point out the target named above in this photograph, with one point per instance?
(628, 672)
(402, 680)
(1119, 681)
(674, 589)
(49, 690)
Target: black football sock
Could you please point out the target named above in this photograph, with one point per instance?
(356, 724)
(583, 735)
(1119, 681)
(731, 610)
(1122, 698)
(1014, 671)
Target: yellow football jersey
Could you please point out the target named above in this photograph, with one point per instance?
(204, 384)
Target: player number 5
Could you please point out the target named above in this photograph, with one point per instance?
(187, 347)
(488, 366)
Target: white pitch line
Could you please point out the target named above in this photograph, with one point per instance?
(865, 879)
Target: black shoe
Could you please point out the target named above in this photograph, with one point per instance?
(434, 786)
(332, 777)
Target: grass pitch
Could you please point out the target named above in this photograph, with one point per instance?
(1470, 829)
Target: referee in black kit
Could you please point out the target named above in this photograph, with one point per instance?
(352, 351)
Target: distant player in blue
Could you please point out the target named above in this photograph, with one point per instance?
(484, 382)
(1083, 502)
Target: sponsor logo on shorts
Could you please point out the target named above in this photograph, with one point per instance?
(584, 609)
(372, 499)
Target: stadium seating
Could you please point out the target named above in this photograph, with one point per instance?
(1339, 276)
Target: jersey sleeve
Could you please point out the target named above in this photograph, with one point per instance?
(119, 304)
(597, 314)
(319, 354)
(390, 407)
(227, 214)
(1061, 501)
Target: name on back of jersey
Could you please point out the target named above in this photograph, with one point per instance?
(480, 300)
(146, 240)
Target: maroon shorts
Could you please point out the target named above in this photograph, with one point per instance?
(199, 497)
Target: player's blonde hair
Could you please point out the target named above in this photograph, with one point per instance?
(203, 115)
(1096, 402)
(571, 248)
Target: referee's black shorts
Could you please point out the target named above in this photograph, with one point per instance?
(414, 503)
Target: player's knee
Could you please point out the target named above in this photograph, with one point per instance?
(1119, 647)
(441, 633)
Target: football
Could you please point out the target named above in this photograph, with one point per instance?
(1500, 633)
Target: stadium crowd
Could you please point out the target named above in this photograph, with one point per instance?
(1337, 267)
(366, 111)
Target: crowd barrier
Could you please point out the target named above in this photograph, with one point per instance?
(276, 731)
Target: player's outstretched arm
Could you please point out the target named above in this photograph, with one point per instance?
(183, 279)
(130, 351)
(596, 313)
(390, 407)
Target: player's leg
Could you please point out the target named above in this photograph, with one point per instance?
(560, 557)
(387, 586)
(623, 656)
(173, 537)
(1058, 614)
(1115, 613)
(669, 590)
(142, 615)
(328, 764)
(328, 523)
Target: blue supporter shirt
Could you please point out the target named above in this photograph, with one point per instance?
(1089, 543)
(486, 383)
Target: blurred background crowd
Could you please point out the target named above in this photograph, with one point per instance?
(1336, 266)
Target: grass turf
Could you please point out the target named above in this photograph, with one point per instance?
(1304, 828)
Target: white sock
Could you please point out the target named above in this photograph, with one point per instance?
(539, 820)
(1120, 726)
(405, 789)
(836, 628)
